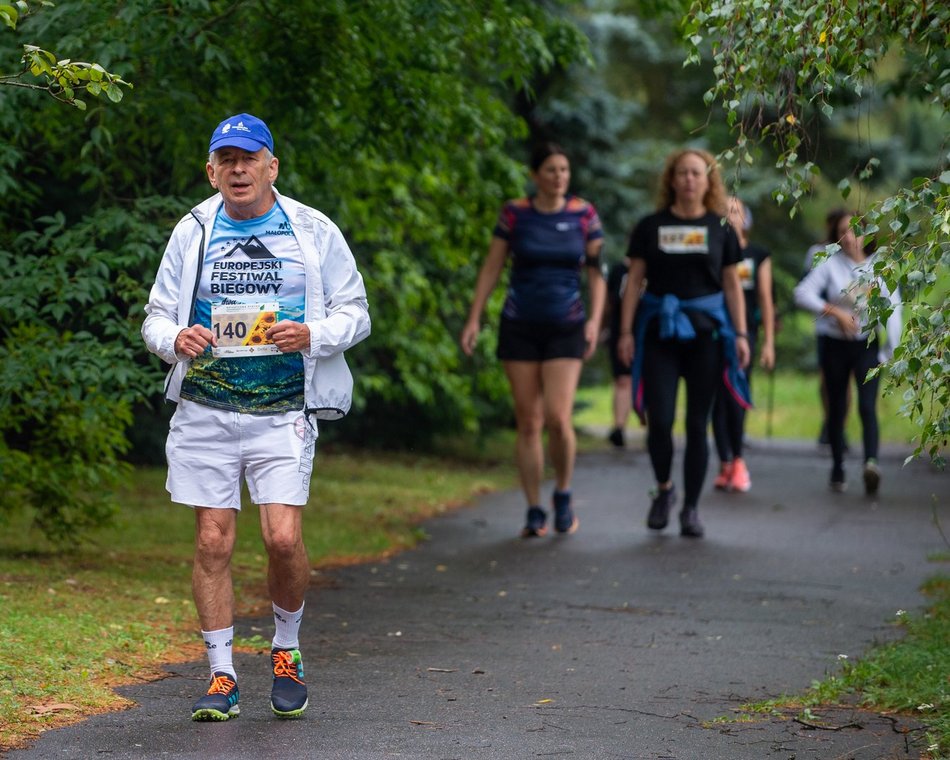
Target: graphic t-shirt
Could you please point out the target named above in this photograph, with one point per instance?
(684, 257)
(256, 262)
(547, 252)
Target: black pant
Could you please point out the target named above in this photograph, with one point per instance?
(699, 363)
(728, 418)
(840, 359)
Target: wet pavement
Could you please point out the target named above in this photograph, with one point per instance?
(614, 642)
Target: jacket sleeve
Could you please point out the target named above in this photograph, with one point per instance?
(161, 326)
(346, 321)
(808, 292)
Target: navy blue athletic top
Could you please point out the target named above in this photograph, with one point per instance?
(547, 252)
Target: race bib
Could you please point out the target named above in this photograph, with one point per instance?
(239, 329)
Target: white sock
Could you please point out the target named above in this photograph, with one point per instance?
(287, 625)
(218, 645)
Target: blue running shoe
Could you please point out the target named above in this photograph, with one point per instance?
(534, 523)
(288, 696)
(564, 520)
(221, 701)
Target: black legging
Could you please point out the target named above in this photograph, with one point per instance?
(699, 363)
(728, 417)
(840, 359)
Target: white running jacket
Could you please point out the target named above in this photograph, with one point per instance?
(839, 281)
(336, 308)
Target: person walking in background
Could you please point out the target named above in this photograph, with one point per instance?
(810, 254)
(255, 300)
(622, 400)
(545, 331)
(690, 323)
(728, 420)
(837, 290)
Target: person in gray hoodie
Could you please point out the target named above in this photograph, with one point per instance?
(255, 300)
(837, 290)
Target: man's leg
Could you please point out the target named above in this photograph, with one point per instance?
(288, 575)
(215, 531)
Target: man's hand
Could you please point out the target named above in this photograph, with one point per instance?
(289, 336)
(192, 341)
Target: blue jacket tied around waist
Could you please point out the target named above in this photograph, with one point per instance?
(675, 324)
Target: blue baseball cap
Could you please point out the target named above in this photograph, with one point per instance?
(241, 131)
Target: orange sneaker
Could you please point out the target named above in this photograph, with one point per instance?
(721, 483)
(740, 480)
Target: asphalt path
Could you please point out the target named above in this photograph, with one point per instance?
(614, 642)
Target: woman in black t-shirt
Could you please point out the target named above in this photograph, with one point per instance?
(690, 323)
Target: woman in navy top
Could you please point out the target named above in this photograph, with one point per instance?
(690, 323)
(545, 332)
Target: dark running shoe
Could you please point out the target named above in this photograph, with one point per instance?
(534, 523)
(663, 502)
(564, 520)
(872, 477)
(690, 526)
(221, 701)
(288, 696)
(616, 438)
(838, 484)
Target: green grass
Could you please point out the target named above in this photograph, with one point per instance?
(793, 412)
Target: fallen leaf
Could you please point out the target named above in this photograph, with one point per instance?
(55, 707)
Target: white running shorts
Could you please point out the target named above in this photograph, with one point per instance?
(210, 450)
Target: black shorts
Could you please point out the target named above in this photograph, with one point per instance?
(539, 341)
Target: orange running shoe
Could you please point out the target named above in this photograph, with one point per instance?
(740, 480)
(721, 483)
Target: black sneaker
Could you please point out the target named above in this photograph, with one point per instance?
(616, 438)
(872, 477)
(690, 525)
(663, 502)
(221, 701)
(838, 484)
(288, 696)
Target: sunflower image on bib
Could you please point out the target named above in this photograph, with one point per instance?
(240, 329)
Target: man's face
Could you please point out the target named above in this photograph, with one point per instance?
(245, 180)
